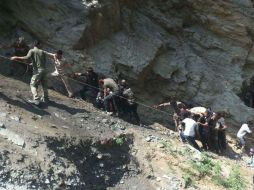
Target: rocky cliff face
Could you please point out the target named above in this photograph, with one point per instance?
(198, 51)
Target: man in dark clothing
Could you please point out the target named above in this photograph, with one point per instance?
(90, 90)
(217, 138)
(20, 49)
(128, 103)
(204, 129)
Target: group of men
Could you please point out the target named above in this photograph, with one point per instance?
(115, 97)
(199, 123)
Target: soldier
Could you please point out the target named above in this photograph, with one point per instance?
(38, 58)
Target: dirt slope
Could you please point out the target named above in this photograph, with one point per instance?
(71, 145)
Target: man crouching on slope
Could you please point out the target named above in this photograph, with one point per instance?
(38, 58)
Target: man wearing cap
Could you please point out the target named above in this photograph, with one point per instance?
(241, 133)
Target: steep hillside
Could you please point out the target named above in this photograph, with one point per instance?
(69, 144)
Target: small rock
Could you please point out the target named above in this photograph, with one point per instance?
(47, 181)
(122, 182)
(161, 146)
(3, 114)
(158, 179)
(101, 165)
(2, 126)
(39, 116)
(34, 117)
(99, 156)
(122, 127)
(104, 120)
(148, 139)
(56, 114)
(65, 127)
(16, 118)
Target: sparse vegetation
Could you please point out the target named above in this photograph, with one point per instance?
(119, 141)
(204, 166)
(207, 167)
(187, 180)
(235, 180)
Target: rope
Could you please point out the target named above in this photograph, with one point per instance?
(27, 64)
(4, 57)
(139, 103)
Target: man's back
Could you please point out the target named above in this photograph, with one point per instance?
(92, 79)
(111, 84)
(38, 58)
(190, 126)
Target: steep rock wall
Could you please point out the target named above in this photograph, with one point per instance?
(198, 51)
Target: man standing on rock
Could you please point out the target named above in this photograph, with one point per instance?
(38, 58)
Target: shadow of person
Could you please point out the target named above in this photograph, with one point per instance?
(64, 107)
(24, 105)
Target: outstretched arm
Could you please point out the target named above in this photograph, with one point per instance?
(28, 56)
(162, 105)
(51, 55)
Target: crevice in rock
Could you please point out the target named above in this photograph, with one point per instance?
(247, 93)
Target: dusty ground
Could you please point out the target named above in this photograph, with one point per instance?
(69, 144)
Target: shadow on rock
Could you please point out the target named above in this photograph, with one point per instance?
(23, 105)
(66, 108)
(100, 165)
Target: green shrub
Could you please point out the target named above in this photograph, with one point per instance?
(217, 177)
(187, 180)
(119, 141)
(235, 180)
(204, 166)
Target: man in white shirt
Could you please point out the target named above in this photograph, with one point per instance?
(241, 133)
(190, 126)
(62, 70)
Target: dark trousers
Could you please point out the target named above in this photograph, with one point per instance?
(204, 135)
(132, 110)
(111, 97)
(192, 142)
(222, 140)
